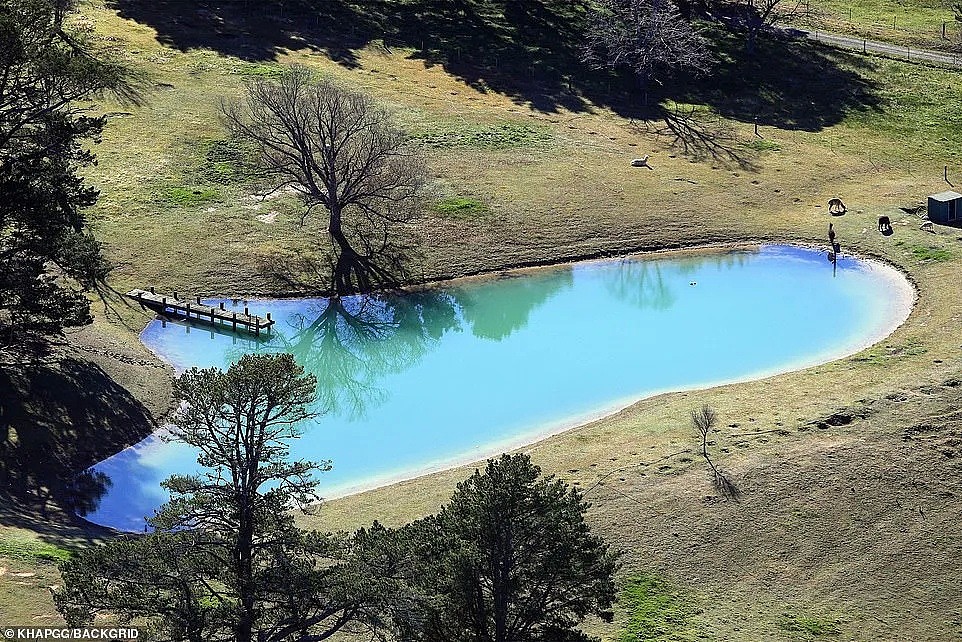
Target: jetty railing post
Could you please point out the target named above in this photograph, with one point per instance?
(193, 308)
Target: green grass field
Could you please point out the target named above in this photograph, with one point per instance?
(530, 163)
(918, 22)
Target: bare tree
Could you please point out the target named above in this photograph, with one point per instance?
(703, 421)
(649, 37)
(340, 152)
(756, 16)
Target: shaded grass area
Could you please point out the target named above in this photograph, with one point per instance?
(789, 84)
(529, 50)
(58, 416)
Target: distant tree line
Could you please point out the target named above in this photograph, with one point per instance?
(508, 558)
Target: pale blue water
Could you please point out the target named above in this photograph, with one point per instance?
(411, 382)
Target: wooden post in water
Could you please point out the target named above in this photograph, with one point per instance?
(188, 313)
(247, 312)
(257, 326)
(235, 322)
(222, 305)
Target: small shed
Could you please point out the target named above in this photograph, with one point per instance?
(945, 208)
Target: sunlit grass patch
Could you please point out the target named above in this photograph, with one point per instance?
(460, 206)
(806, 627)
(927, 253)
(189, 196)
(27, 549)
(763, 145)
(656, 611)
(504, 135)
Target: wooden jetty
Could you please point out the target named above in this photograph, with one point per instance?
(196, 311)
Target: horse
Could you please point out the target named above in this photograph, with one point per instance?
(836, 206)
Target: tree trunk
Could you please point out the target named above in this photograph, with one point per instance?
(350, 272)
(502, 586)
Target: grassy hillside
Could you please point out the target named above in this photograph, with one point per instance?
(847, 528)
(830, 120)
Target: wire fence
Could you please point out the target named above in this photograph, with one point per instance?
(904, 52)
(935, 29)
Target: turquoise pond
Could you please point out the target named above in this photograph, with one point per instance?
(415, 382)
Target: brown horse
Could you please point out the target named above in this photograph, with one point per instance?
(836, 206)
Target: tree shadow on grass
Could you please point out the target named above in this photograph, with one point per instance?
(57, 418)
(529, 50)
(788, 83)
